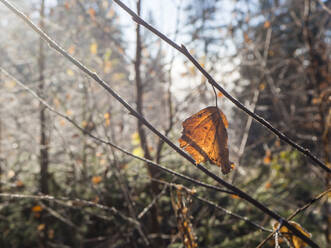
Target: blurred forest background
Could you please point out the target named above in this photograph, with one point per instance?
(272, 55)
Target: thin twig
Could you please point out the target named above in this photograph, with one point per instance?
(324, 6)
(71, 203)
(102, 83)
(210, 79)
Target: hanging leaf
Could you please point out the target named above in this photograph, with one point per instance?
(295, 241)
(206, 139)
(94, 48)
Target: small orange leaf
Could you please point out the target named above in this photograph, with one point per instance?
(37, 209)
(206, 139)
(266, 24)
(233, 196)
(91, 12)
(71, 50)
(267, 185)
(267, 157)
(96, 179)
(41, 227)
(220, 94)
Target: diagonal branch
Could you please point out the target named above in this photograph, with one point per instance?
(182, 49)
(103, 84)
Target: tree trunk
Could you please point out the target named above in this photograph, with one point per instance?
(154, 186)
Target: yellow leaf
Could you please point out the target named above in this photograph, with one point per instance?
(138, 152)
(37, 209)
(135, 139)
(96, 179)
(70, 72)
(94, 48)
(69, 112)
(107, 54)
(106, 116)
(41, 227)
(107, 122)
(262, 86)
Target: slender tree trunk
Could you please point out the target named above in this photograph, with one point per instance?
(155, 228)
(43, 128)
(42, 114)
